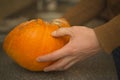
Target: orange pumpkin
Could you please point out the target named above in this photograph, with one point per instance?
(31, 39)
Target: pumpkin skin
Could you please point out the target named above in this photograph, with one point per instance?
(30, 40)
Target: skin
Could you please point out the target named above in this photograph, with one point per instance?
(83, 42)
(82, 45)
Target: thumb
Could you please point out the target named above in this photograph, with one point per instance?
(62, 32)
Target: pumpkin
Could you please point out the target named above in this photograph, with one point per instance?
(32, 39)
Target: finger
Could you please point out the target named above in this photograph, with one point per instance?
(59, 65)
(79, 58)
(70, 64)
(62, 32)
(65, 51)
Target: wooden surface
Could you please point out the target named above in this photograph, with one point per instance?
(98, 67)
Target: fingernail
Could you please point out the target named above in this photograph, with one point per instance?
(53, 33)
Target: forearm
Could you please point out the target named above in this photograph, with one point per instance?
(84, 11)
(109, 34)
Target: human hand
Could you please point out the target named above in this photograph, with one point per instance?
(83, 44)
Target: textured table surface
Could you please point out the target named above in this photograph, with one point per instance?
(98, 67)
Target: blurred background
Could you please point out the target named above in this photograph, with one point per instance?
(13, 12)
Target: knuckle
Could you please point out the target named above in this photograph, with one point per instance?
(73, 51)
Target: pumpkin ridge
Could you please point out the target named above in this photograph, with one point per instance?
(44, 37)
(32, 39)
